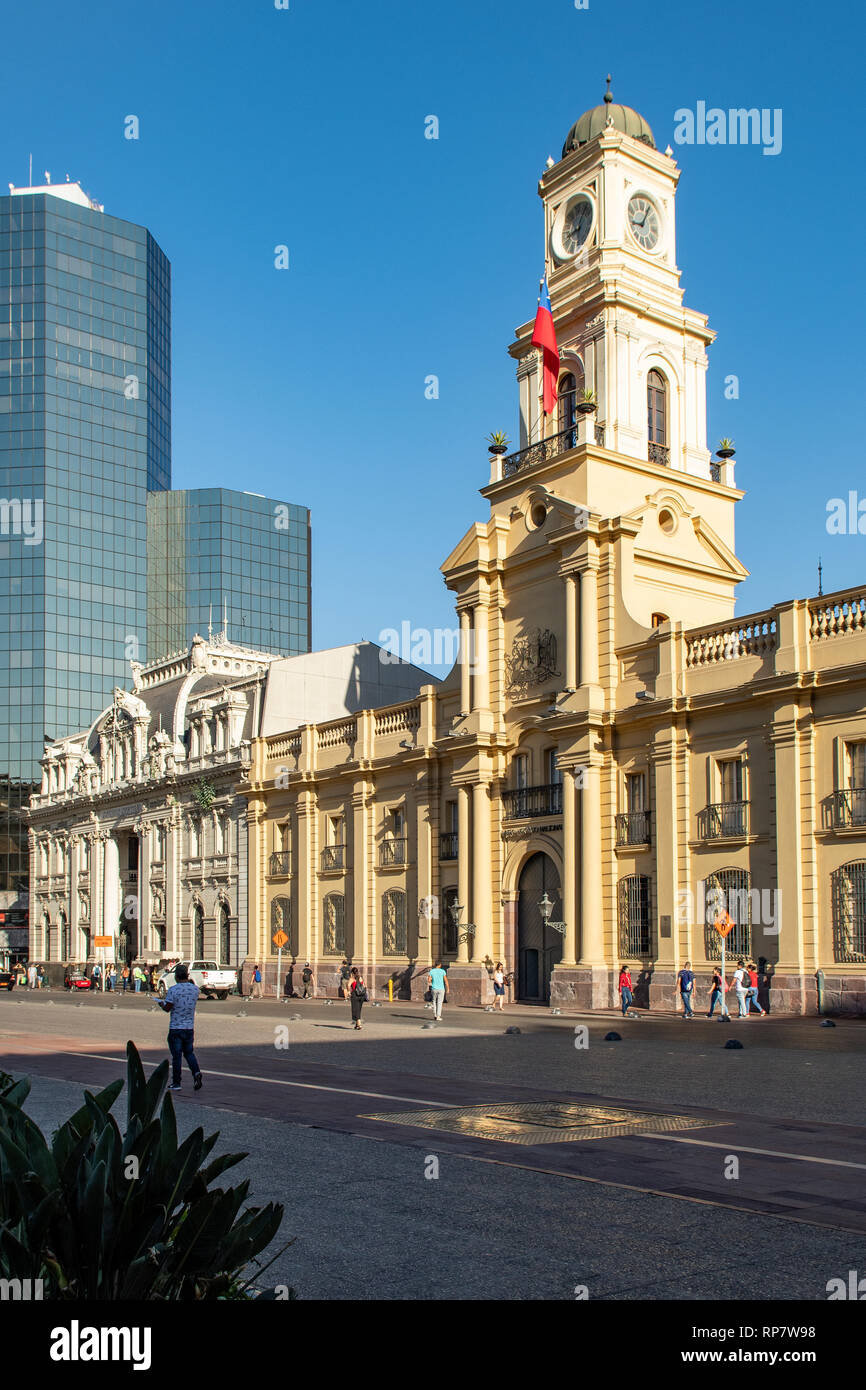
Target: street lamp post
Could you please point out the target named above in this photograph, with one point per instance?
(469, 928)
(545, 907)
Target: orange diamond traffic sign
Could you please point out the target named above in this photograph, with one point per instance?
(724, 924)
(279, 939)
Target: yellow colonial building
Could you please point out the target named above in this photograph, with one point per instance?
(614, 753)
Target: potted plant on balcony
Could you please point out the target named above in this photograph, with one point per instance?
(586, 402)
(498, 442)
(726, 448)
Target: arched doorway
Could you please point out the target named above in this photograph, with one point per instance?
(198, 933)
(539, 946)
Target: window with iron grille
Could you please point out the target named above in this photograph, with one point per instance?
(849, 911)
(334, 925)
(728, 890)
(281, 920)
(394, 923)
(634, 916)
(656, 400)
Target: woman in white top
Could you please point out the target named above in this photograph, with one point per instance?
(498, 986)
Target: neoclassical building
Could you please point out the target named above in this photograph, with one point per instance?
(139, 834)
(615, 753)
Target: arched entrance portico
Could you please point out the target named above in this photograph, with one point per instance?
(539, 946)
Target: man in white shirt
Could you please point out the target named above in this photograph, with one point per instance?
(180, 1002)
(741, 985)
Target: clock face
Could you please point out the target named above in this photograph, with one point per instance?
(644, 222)
(575, 229)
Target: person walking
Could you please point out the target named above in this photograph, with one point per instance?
(625, 991)
(308, 982)
(357, 996)
(741, 980)
(717, 993)
(96, 976)
(110, 977)
(256, 991)
(499, 986)
(40, 977)
(31, 976)
(124, 979)
(437, 981)
(138, 976)
(752, 991)
(180, 1001)
(686, 983)
(345, 978)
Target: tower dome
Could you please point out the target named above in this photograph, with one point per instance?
(595, 121)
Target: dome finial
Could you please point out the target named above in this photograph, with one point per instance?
(608, 96)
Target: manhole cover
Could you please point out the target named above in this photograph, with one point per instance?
(542, 1122)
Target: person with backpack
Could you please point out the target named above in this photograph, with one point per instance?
(256, 992)
(139, 977)
(345, 977)
(686, 983)
(96, 976)
(308, 982)
(180, 1001)
(625, 991)
(717, 993)
(741, 984)
(752, 991)
(357, 996)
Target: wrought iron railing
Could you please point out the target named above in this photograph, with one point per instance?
(724, 820)
(533, 801)
(392, 852)
(659, 453)
(635, 929)
(280, 863)
(849, 912)
(845, 808)
(541, 452)
(448, 842)
(633, 828)
(334, 857)
(715, 472)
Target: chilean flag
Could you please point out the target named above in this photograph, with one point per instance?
(544, 336)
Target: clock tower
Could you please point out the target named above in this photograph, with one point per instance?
(622, 328)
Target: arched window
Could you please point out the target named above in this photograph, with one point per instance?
(634, 916)
(281, 920)
(198, 932)
(727, 890)
(394, 942)
(657, 417)
(567, 393)
(849, 911)
(334, 925)
(225, 935)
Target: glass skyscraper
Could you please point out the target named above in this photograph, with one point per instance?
(214, 554)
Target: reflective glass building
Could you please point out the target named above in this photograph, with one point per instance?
(85, 432)
(215, 554)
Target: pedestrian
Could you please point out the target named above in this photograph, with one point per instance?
(257, 983)
(239, 981)
(741, 985)
(437, 981)
(139, 977)
(308, 982)
(345, 977)
(752, 991)
(31, 976)
(108, 978)
(95, 976)
(358, 996)
(717, 993)
(180, 1001)
(686, 983)
(124, 978)
(40, 977)
(625, 994)
(499, 986)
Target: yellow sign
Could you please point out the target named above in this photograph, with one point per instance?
(102, 942)
(279, 939)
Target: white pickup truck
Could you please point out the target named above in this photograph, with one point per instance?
(210, 979)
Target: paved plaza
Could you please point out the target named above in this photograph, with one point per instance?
(460, 1161)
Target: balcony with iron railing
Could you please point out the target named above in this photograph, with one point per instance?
(280, 864)
(541, 452)
(845, 810)
(392, 852)
(660, 454)
(724, 820)
(522, 803)
(633, 828)
(333, 857)
(448, 845)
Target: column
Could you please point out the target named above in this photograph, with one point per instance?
(482, 905)
(569, 867)
(481, 658)
(463, 862)
(307, 876)
(570, 632)
(145, 834)
(355, 940)
(589, 627)
(111, 888)
(591, 923)
(465, 672)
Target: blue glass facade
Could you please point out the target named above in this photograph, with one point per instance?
(211, 549)
(85, 432)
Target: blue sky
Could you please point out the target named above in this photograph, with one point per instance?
(411, 257)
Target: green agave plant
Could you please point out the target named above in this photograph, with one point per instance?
(96, 1214)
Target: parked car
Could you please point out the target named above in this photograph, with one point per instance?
(76, 979)
(210, 979)
(7, 979)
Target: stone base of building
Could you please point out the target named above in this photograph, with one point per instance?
(583, 988)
